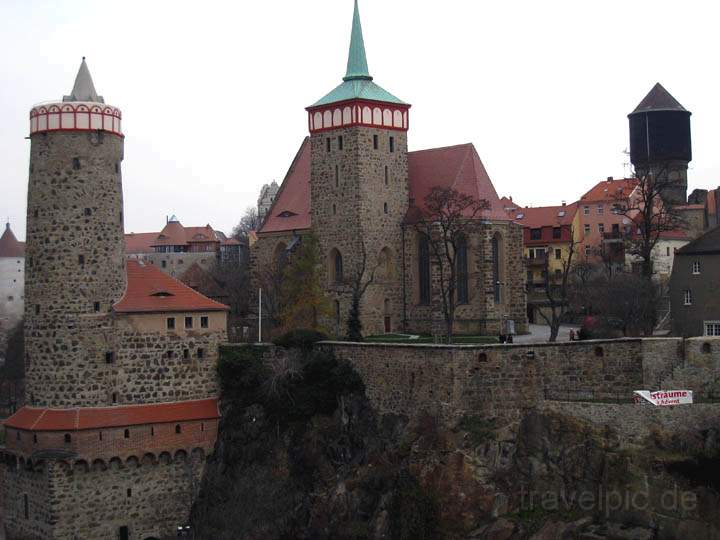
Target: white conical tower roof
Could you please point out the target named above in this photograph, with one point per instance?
(84, 89)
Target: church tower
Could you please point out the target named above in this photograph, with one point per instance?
(75, 247)
(359, 189)
(660, 142)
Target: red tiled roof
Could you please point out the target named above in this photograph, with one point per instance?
(39, 419)
(545, 216)
(9, 245)
(610, 189)
(712, 201)
(144, 284)
(140, 242)
(458, 167)
(291, 209)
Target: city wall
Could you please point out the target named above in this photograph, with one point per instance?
(505, 380)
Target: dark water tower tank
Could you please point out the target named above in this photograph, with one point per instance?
(659, 130)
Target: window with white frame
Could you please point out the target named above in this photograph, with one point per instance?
(712, 328)
(601, 228)
(586, 210)
(587, 228)
(688, 297)
(601, 209)
(696, 267)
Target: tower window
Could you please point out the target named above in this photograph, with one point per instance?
(81, 260)
(178, 429)
(334, 209)
(186, 353)
(68, 438)
(375, 142)
(188, 322)
(327, 144)
(171, 323)
(201, 353)
(109, 357)
(88, 211)
(385, 210)
(127, 433)
(37, 309)
(26, 507)
(17, 435)
(129, 492)
(386, 175)
(203, 322)
(163, 264)
(76, 164)
(337, 176)
(121, 218)
(152, 431)
(96, 307)
(36, 212)
(114, 397)
(35, 438)
(340, 142)
(100, 435)
(392, 144)
(117, 167)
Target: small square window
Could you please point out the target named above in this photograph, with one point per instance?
(88, 212)
(188, 322)
(96, 307)
(375, 142)
(203, 322)
(109, 357)
(171, 323)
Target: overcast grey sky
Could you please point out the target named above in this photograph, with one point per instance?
(213, 93)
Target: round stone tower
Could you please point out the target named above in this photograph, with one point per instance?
(660, 142)
(75, 255)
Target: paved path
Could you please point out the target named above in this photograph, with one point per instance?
(540, 333)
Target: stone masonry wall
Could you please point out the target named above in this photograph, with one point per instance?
(67, 503)
(75, 264)
(502, 380)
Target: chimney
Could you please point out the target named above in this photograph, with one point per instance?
(610, 179)
(563, 203)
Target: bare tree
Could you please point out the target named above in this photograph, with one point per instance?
(650, 216)
(249, 222)
(359, 286)
(557, 290)
(448, 217)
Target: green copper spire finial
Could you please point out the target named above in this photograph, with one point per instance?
(357, 67)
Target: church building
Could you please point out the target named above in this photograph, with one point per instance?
(355, 185)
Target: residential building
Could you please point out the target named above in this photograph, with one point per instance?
(694, 286)
(547, 240)
(176, 248)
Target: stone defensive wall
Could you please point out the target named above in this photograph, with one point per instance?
(504, 380)
(95, 501)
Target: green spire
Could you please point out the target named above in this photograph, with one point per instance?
(357, 67)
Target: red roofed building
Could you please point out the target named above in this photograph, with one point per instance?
(356, 187)
(176, 248)
(12, 282)
(120, 358)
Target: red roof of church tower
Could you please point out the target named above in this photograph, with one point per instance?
(9, 245)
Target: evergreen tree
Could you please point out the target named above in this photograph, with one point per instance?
(303, 298)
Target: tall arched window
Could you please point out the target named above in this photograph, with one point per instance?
(496, 268)
(336, 266)
(461, 272)
(424, 269)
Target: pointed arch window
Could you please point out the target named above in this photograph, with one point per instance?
(424, 269)
(496, 268)
(461, 272)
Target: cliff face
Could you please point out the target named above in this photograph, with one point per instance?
(302, 454)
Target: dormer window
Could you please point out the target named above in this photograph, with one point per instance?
(520, 216)
(162, 294)
(286, 214)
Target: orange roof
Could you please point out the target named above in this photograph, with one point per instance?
(40, 419)
(291, 209)
(9, 245)
(610, 189)
(545, 216)
(140, 242)
(149, 290)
